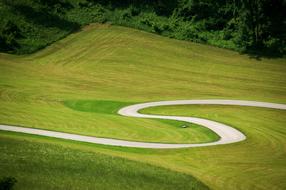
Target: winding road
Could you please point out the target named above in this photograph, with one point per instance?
(227, 133)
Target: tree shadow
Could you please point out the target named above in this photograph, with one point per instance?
(262, 53)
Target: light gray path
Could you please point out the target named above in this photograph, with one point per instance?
(227, 134)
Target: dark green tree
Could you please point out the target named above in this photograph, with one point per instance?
(9, 32)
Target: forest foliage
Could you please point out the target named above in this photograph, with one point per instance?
(251, 26)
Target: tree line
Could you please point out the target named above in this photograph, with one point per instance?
(251, 26)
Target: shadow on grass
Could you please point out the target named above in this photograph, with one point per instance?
(258, 54)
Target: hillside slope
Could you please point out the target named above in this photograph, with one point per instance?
(77, 85)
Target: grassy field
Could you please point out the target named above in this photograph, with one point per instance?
(258, 163)
(40, 165)
(77, 85)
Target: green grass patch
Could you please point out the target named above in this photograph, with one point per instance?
(112, 107)
(96, 106)
(185, 126)
(46, 166)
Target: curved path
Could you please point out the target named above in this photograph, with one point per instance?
(227, 134)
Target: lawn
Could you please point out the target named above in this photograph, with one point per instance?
(41, 165)
(77, 84)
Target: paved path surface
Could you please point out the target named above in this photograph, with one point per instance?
(227, 134)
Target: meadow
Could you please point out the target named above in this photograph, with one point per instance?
(77, 85)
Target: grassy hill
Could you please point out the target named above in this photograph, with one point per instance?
(77, 84)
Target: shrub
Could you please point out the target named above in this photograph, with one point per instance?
(7, 183)
(8, 34)
(275, 45)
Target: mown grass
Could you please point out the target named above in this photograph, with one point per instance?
(97, 106)
(258, 162)
(44, 166)
(117, 64)
(112, 107)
